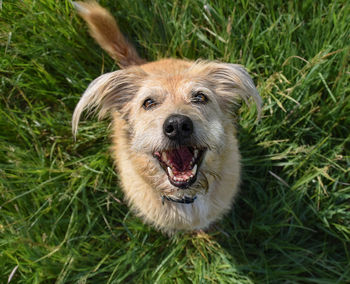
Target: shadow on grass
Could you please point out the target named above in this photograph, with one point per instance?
(275, 231)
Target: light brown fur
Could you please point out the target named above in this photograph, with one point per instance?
(138, 134)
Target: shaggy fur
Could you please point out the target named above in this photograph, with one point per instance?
(140, 98)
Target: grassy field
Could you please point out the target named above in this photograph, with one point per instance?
(62, 216)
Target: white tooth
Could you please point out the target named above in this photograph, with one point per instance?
(164, 157)
(194, 170)
(195, 153)
(170, 172)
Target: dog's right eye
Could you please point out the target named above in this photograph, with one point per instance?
(199, 98)
(148, 104)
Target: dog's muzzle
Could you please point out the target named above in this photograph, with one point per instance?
(182, 159)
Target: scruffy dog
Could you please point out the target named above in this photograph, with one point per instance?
(174, 139)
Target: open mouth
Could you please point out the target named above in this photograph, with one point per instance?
(181, 164)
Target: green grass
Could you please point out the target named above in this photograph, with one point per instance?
(62, 216)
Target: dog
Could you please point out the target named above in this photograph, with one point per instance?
(173, 128)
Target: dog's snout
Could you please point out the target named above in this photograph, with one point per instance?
(178, 127)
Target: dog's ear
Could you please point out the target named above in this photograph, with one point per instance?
(232, 82)
(109, 92)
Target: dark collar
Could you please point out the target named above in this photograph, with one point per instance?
(185, 200)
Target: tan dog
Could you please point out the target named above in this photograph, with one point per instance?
(173, 129)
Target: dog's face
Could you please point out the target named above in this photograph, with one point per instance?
(176, 113)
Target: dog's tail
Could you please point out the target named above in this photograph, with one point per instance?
(104, 29)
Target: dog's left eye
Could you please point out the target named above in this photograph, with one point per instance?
(199, 98)
(148, 104)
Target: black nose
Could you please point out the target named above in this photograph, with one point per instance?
(178, 127)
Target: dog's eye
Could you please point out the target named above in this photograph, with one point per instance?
(199, 98)
(148, 104)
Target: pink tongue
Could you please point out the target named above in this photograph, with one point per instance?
(180, 158)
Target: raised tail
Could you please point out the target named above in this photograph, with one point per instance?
(104, 29)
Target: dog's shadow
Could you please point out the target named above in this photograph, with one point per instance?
(268, 224)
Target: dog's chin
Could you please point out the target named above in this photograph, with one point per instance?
(181, 165)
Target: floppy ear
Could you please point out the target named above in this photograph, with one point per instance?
(110, 91)
(233, 82)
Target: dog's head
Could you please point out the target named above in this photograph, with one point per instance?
(176, 114)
